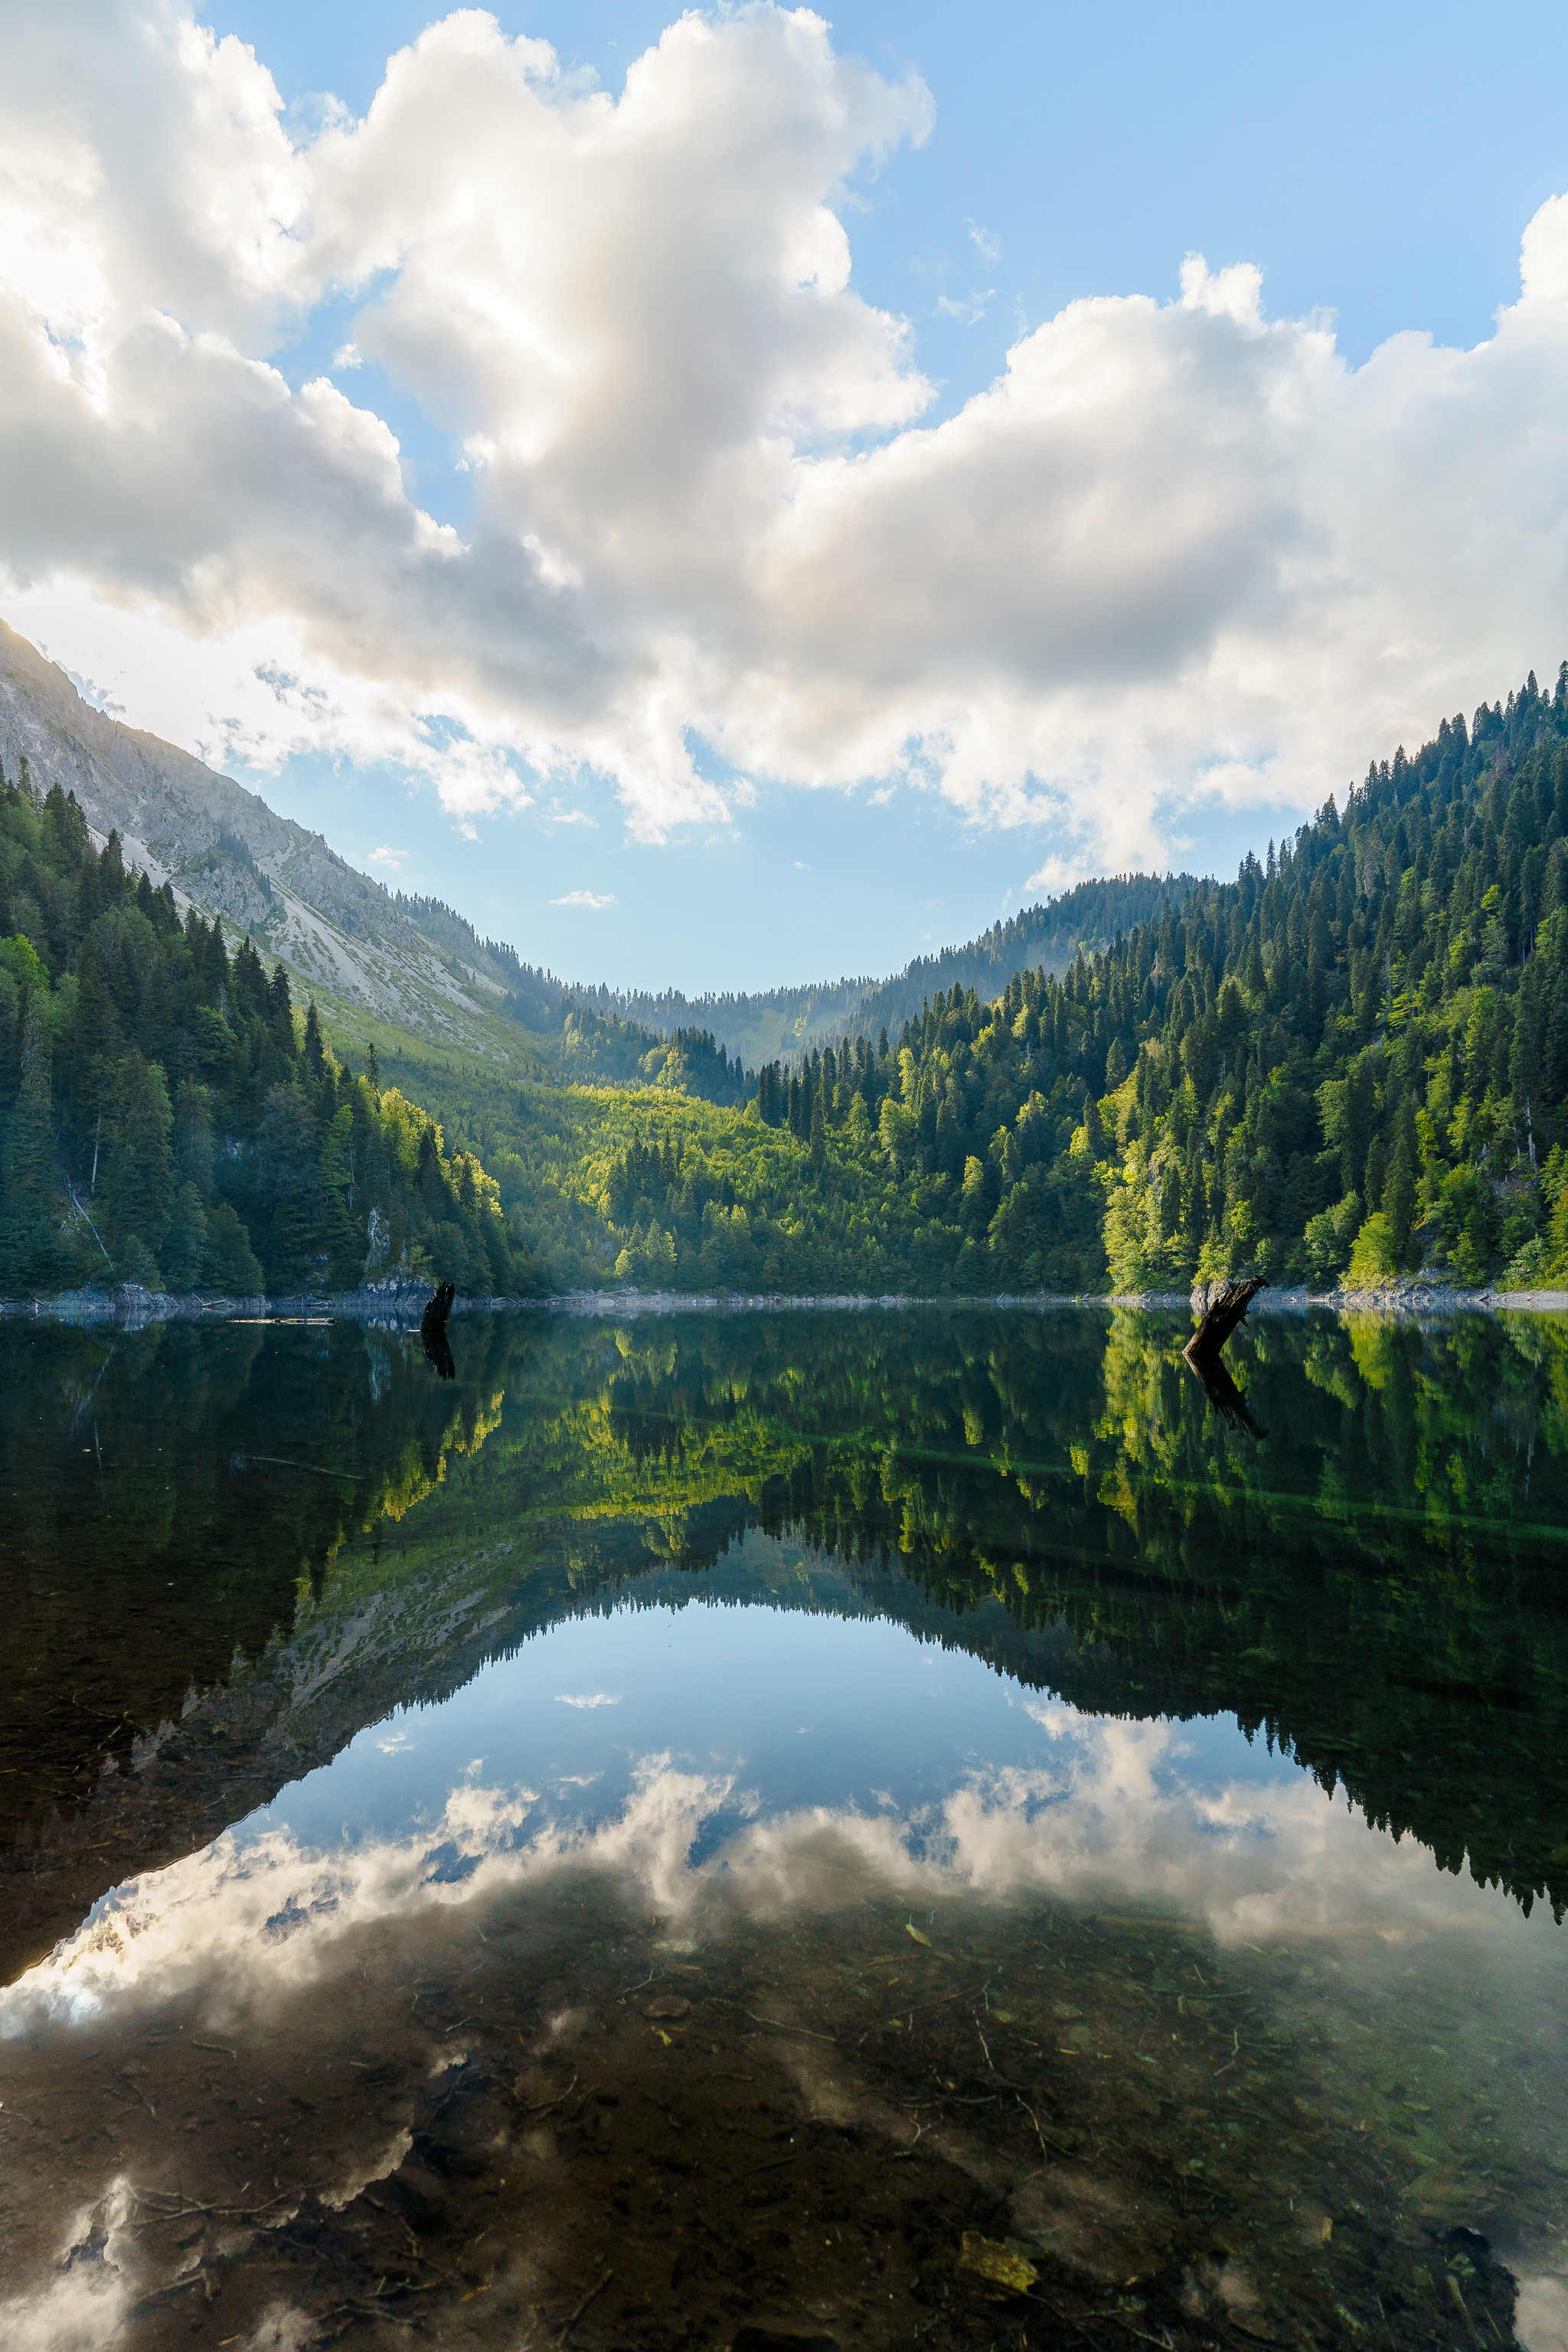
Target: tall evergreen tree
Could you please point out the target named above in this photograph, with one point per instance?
(32, 1255)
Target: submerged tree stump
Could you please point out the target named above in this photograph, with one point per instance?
(437, 1310)
(433, 1330)
(1224, 1311)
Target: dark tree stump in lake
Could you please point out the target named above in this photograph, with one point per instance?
(437, 1307)
(1223, 1312)
(433, 1330)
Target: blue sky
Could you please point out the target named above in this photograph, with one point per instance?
(1376, 161)
(1378, 166)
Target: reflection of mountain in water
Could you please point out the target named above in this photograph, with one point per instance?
(309, 1529)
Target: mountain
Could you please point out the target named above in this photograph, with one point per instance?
(1352, 1060)
(780, 1023)
(168, 1118)
(223, 850)
(368, 954)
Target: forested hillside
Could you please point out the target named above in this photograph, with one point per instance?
(1351, 1061)
(1354, 1059)
(783, 1023)
(167, 1117)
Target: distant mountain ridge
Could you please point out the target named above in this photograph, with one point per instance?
(416, 962)
(780, 1023)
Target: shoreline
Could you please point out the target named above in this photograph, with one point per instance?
(400, 1305)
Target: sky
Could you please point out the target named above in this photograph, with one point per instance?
(740, 499)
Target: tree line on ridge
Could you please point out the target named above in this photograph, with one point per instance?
(1354, 1059)
(1351, 1061)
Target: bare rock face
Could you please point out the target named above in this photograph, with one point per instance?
(195, 823)
(228, 880)
(225, 850)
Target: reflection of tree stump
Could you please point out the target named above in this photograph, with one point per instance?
(1223, 1393)
(1223, 1312)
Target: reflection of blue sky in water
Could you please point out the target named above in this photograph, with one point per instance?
(777, 1762)
(715, 1760)
(803, 1710)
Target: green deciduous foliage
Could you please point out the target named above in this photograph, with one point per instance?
(1367, 1029)
(1352, 1061)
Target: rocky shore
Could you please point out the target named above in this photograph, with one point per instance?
(400, 1304)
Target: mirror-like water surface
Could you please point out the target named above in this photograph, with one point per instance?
(867, 1830)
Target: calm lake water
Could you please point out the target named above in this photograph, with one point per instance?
(844, 1830)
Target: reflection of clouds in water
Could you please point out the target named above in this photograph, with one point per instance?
(588, 1698)
(88, 2300)
(1105, 1815)
(1540, 2316)
(85, 2303)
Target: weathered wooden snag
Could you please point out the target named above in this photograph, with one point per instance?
(437, 1307)
(433, 1330)
(1221, 1316)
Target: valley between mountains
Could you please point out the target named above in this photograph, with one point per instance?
(230, 1063)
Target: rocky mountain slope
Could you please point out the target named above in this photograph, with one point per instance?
(351, 943)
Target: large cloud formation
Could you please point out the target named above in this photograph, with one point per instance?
(1177, 549)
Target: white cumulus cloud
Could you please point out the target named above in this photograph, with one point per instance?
(1178, 551)
(594, 898)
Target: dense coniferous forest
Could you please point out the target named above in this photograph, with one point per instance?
(169, 1118)
(1352, 1059)
(596, 1047)
(1351, 1062)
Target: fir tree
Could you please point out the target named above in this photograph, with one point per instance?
(32, 1255)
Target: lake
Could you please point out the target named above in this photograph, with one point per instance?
(845, 1829)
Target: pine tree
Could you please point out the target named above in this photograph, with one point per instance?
(185, 1242)
(137, 1187)
(32, 1255)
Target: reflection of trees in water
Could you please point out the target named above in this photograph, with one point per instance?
(1375, 1581)
(177, 1493)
